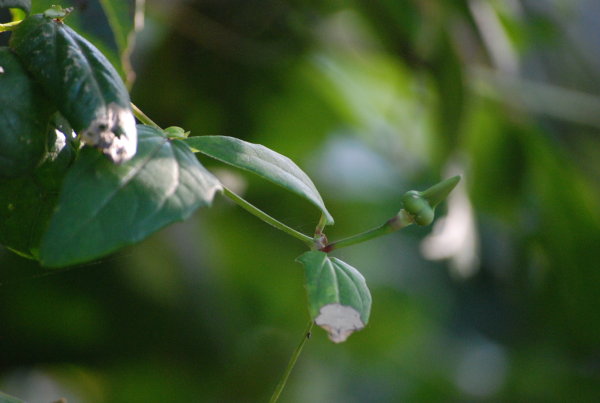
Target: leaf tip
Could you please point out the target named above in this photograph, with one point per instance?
(340, 321)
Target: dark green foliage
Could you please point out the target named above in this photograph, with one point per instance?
(24, 113)
(104, 206)
(84, 85)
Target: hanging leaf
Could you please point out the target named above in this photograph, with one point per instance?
(103, 206)
(263, 162)
(24, 113)
(84, 85)
(338, 298)
(24, 5)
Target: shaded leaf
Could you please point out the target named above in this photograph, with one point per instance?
(120, 15)
(263, 162)
(91, 22)
(25, 210)
(84, 85)
(338, 298)
(104, 206)
(24, 113)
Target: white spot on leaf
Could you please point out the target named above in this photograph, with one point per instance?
(339, 321)
(1, 70)
(114, 132)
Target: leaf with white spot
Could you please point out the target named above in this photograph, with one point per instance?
(263, 162)
(338, 297)
(103, 206)
(84, 85)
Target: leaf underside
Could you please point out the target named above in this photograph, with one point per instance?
(263, 162)
(338, 297)
(103, 207)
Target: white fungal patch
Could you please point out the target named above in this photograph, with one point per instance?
(1, 70)
(339, 321)
(114, 132)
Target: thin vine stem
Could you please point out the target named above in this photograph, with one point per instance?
(399, 221)
(291, 364)
(142, 117)
(267, 218)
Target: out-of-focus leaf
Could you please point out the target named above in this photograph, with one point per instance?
(104, 206)
(85, 86)
(24, 113)
(120, 16)
(24, 5)
(4, 398)
(338, 298)
(263, 162)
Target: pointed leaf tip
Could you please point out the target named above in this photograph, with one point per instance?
(438, 192)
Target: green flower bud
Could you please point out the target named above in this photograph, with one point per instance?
(418, 207)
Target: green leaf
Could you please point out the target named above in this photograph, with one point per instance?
(263, 162)
(338, 298)
(84, 85)
(27, 203)
(24, 5)
(25, 210)
(103, 206)
(24, 113)
(90, 19)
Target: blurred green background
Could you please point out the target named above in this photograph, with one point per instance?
(498, 301)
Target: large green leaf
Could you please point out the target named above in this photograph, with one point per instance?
(84, 85)
(338, 298)
(103, 206)
(261, 161)
(24, 5)
(24, 114)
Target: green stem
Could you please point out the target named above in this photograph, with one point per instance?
(291, 364)
(142, 117)
(399, 221)
(267, 218)
(9, 26)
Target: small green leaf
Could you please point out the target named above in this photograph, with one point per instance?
(56, 11)
(82, 82)
(263, 162)
(175, 132)
(103, 206)
(338, 298)
(24, 113)
(24, 5)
